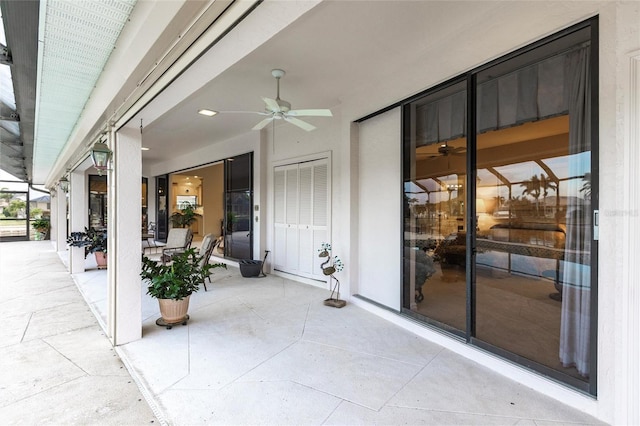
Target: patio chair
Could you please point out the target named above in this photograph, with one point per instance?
(149, 237)
(178, 240)
(208, 243)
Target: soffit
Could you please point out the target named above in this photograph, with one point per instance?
(76, 42)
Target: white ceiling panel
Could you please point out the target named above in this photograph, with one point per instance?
(76, 43)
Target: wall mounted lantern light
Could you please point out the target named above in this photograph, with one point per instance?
(64, 184)
(100, 155)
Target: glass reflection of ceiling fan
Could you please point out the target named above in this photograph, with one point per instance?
(444, 150)
(279, 109)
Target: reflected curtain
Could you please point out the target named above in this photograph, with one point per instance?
(528, 94)
(531, 93)
(442, 120)
(576, 290)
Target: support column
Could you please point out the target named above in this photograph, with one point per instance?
(59, 219)
(77, 217)
(627, 301)
(53, 215)
(124, 319)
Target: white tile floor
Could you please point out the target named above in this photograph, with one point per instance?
(267, 351)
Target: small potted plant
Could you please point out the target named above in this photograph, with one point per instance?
(94, 241)
(185, 217)
(173, 283)
(42, 226)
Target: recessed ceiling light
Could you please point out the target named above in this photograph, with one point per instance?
(144, 148)
(207, 112)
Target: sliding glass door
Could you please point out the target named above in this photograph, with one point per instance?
(162, 207)
(499, 196)
(238, 223)
(533, 181)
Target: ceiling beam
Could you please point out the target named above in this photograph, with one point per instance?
(11, 117)
(8, 113)
(5, 55)
(12, 142)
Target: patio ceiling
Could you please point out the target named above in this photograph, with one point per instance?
(18, 72)
(75, 41)
(335, 51)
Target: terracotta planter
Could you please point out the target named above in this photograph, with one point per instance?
(101, 259)
(174, 311)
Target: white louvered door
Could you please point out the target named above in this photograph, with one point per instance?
(301, 217)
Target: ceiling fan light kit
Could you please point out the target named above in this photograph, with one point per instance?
(279, 109)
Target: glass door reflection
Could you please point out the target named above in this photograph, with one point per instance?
(435, 211)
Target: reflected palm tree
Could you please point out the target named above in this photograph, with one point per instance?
(586, 186)
(537, 186)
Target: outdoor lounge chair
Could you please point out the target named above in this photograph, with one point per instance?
(178, 240)
(205, 251)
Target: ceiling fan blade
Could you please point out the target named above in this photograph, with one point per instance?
(272, 105)
(262, 124)
(302, 124)
(310, 113)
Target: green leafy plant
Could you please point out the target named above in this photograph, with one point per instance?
(91, 239)
(185, 217)
(41, 225)
(178, 279)
(35, 212)
(231, 220)
(16, 208)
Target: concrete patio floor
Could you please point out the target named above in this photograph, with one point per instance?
(57, 365)
(258, 351)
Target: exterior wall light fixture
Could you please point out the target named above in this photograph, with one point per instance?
(100, 155)
(64, 184)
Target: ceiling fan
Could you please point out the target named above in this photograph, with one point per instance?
(444, 150)
(279, 109)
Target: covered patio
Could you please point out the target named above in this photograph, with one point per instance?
(267, 351)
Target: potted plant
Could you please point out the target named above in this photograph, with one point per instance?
(94, 241)
(42, 226)
(185, 217)
(173, 283)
